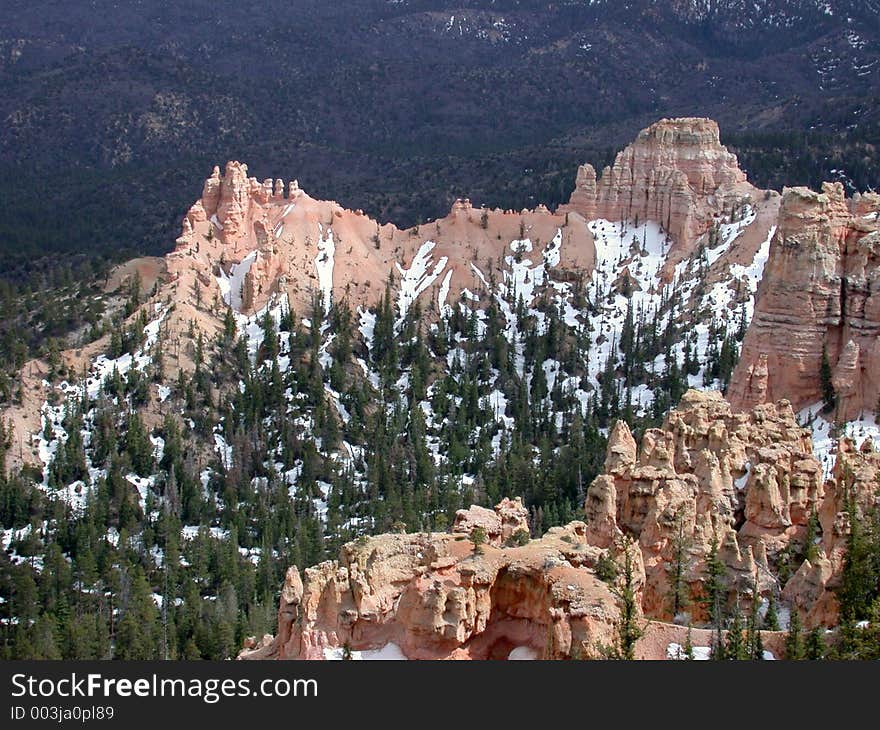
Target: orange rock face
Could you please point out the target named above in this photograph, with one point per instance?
(283, 239)
(676, 173)
(812, 589)
(434, 597)
(821, 288)
(507, 520)
(746, 481)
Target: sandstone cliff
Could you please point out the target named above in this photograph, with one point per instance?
(277, 237)
(743, 484)
(747, 482)
(268, 240)
(852, 491)
(819, 291)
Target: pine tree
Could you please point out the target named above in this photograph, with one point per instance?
(735, 647)
(44, 638)
(229, 327)
(815, 645)
(757, 651)
(689, 645)
(714, 586)
(829, 396)
(810, 551)
(794, 642)
(727, 358)
(137, 635)
(861, 569)
(478, 538)
(138, 446)
(678, 587)
(629, 629)
(25, 596)
(771, 617)
(718, 649)
(754, 640)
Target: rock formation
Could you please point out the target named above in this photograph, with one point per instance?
(747, 482)
(854, 485)
(436, 596)
(278, 242)
(744, 484)
(676, 173)
(505, 522)
(820, 291)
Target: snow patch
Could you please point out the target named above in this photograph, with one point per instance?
(389, 652)
(676, 651)
(231, 284)
(324, 267)
(417, 278)
(522, 653)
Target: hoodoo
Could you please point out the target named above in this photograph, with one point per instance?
(677, 173)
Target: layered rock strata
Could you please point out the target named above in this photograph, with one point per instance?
(677, 173)
(820, 293)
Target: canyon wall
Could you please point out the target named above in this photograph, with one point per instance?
(745, 482)
(820, 291)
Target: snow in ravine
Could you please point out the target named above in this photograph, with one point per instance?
(367, 321)
(53, 416)
(224, 451)
(627, 279)
(444, 308)
(640, 251)
(143, 486)
(754, 271)
(420, 275)
(251, 326)
(324, 267)
(729, 232)
(231, 284)
(103, 366)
